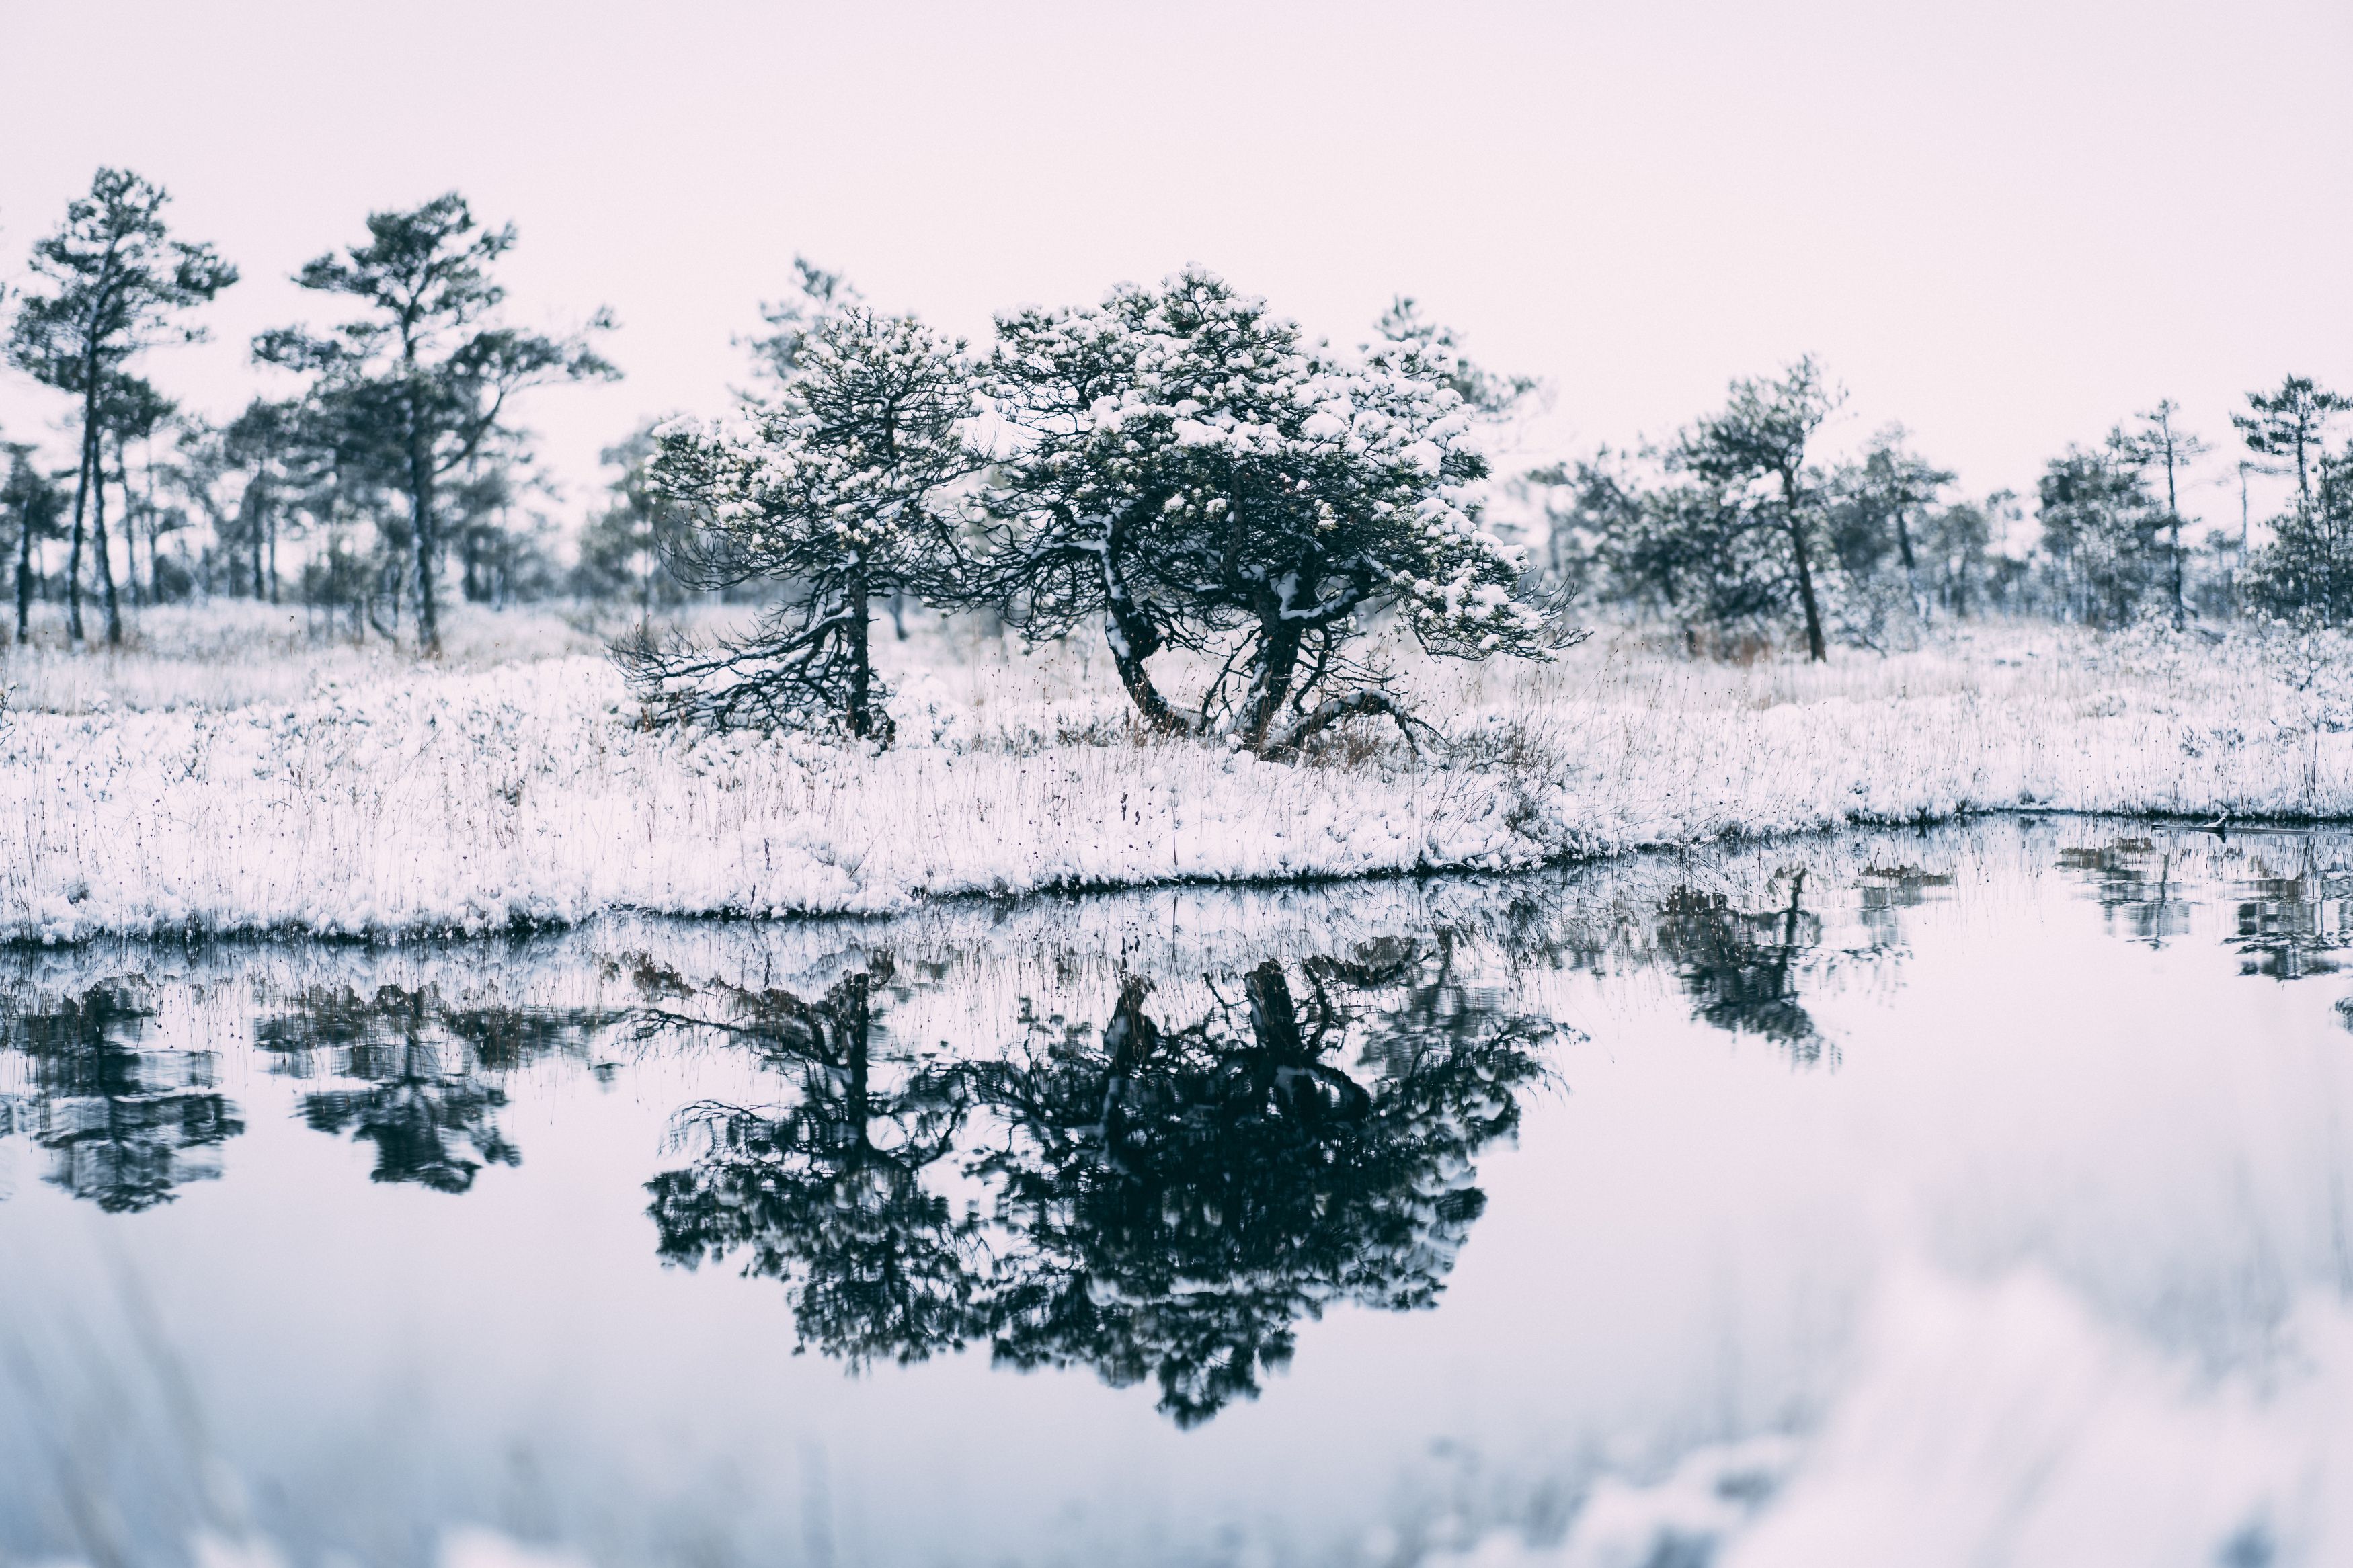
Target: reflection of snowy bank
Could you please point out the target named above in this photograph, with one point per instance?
(2006, 1422)
(376, 798)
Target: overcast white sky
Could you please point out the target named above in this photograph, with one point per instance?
(2006, 225)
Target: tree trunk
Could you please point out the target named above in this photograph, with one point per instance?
(1133, 638)
(1274, 1017)
(130, 515)
(149, 512)
(1797, 907)
(82, 502)
(273, 555)
(853, 1021)
(2239, 569)
(2173, 513)
(1271, 677)
(1911, 566)
(2179, 606)
(862, 667)
(105, 557)
(1288, 1066)
(428, 620)
(420, 511)
(24, 577)
(1784, 956)
(1806, 589)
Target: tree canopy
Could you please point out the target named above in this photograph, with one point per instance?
(1191, 473)
(834, 490)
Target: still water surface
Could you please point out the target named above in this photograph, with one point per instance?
(1724, 1203)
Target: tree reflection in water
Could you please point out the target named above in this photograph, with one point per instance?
(126, 1122)
(2288, 918)
(1167, 1202)
(414, 1077)
(2294, 921)
(1885, 892)
(2136, 886)
(1085, 1236)
(827, 1193)
(1182, 1198)
(1741, 968)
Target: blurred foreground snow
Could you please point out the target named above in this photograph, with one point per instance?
(2004, 1423)
(1995, 1422)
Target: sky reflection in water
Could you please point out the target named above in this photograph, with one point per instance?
(1334, 1221)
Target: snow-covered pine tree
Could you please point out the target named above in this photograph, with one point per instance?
(2100, 529)
(1753, 455)
(1492, 394)
(2160, 446)
(2305, 576)
(1191, 471)
(832, 491)
(2305, 573)
(417, 390)
(2290, 425)
(817, 293)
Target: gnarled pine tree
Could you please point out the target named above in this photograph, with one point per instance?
(1192, 472)
(834, 490)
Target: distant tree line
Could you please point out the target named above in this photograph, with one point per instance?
(1176, 465)
(1738, 533)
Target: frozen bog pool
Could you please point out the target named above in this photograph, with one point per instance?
(1972, 1195)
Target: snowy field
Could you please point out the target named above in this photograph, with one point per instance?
(229, 773)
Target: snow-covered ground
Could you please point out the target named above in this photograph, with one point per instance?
(229, 773)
